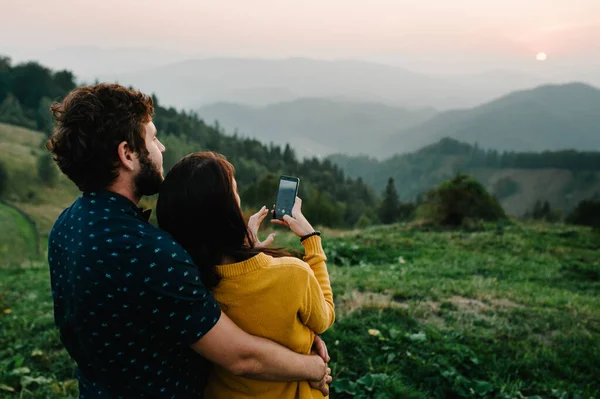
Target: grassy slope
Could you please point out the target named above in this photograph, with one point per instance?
(18, 237)
(19, 149)
(564, 189)
(509, 312)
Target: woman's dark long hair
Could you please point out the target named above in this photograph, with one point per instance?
(198, 208)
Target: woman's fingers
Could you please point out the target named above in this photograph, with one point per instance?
(279, 222)
(297, 208)
(267, 242)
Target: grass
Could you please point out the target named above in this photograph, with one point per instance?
(512, 311)
(18, 237)
(19, 149)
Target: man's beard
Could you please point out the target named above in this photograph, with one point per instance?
(148, 181)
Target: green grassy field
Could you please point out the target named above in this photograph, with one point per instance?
(512, 311)
(19, 236)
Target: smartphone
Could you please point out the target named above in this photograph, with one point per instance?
(286, 196)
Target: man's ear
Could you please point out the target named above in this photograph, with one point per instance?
(126, 156)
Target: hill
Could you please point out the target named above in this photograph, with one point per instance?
(19, 239)
(316, 127)
(19, 151)
(564, 178)
(553, 117)
(258, 82)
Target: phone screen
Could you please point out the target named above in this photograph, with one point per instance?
(286, 196)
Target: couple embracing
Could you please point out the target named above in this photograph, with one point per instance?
(198, 307)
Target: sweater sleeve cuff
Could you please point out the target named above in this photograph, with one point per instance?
(312, 246)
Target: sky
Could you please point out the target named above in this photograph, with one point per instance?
(424, 33)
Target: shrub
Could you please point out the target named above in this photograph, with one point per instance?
(458, 201)
(586, 213)
(47, 170)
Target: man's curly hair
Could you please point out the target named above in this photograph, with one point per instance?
(91, 122)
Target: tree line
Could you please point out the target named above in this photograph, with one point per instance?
(330, 197)
(477, 157)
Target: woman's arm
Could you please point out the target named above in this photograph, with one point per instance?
(317, 311)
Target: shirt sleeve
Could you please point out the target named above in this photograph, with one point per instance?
(317, 311)
(174, 297)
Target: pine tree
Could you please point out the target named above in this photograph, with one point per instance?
(43, 117)
(289, 156)
(388, 211)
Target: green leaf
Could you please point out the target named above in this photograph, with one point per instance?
(419, 337)
(37, 352)
(26, 380)
(390, 357)
(21, 371)
(4, 387)
(483, 387)
(367, 382)
(344, 385)
(394, 333)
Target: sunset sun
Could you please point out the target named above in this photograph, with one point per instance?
(541, 57)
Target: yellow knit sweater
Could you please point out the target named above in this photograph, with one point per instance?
(283, 299)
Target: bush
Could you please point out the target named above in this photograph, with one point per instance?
(587, 213)
(47, 170)
(458, 201)
(363, 222)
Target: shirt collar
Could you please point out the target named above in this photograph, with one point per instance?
(119, 200)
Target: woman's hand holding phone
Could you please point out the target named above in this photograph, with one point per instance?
(297, 222)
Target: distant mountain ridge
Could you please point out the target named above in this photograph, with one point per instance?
(551, 117)
(545, 118)
(316, 126)
(257, 82)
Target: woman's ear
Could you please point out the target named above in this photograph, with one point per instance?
(126, 156)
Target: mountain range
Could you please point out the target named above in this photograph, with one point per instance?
(314, 126)
(258, 82)
(551, 117)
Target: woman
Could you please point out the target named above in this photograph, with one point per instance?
(264, 291)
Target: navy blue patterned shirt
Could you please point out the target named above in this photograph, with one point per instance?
(128, 302)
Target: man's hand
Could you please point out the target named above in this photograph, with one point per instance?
(321, 349)
(323, 385)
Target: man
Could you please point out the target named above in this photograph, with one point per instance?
(129, 303)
